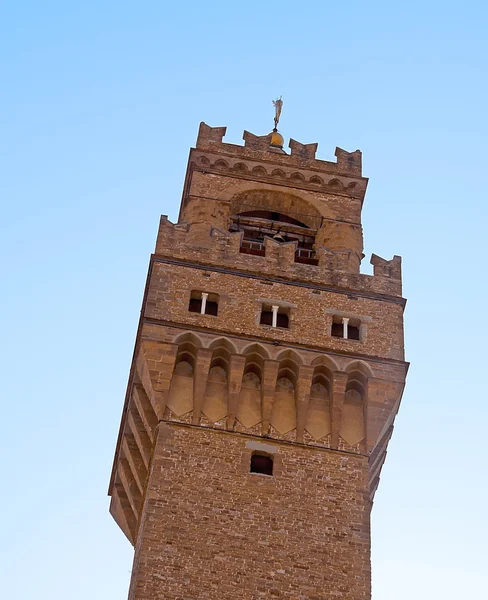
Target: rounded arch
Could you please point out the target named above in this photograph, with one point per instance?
(259, 170)
(221, 164)
(297, 177)
(240, 167)
(278, 173)
(316, 180)
(264, 199)
(335, 183)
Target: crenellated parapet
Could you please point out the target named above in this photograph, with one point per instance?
(284, 173)
(185, 241)
(210, 139)
(387, 268)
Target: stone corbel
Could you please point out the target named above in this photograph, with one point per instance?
(339, 383)
(160, 358)
(268, 389)
(383, 399)
(302, 397)
(144, 410)
(136, 427)
(202, 368)
(131, 453)
(236, 373)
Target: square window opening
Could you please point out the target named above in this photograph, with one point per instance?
(261, 463)
(347, 328)
(204, 303)
(275, 316)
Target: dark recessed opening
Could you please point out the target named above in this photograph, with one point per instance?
(195, 305)
(282, 319)
(353, 332)
(337, 329)
(261, 463)
(272, 216)
(211, 308)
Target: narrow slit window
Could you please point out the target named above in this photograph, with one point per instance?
(261, 463)
(276, 316)
(204, 303)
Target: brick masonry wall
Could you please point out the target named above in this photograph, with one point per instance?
(216, 247)
(212, 530)
(203, 526)
(240, 308)
(215, 186)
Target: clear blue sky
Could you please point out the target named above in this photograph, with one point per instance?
(100, 103)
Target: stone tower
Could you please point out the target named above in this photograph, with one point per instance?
(266, 377)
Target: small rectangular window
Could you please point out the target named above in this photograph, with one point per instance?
(204, 303)
(274, 315)
(261, 463)
(346, 327)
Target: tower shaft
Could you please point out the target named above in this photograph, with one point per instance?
(266, 376)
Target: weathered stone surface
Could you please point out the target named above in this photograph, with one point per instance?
(206, 391)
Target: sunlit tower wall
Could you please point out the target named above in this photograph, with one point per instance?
(266, 376)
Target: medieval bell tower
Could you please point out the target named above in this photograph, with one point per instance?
(266, 377)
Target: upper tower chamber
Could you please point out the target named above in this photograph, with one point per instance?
(266, 376)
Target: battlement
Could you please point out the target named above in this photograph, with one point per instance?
(202, 243)
(301, 155)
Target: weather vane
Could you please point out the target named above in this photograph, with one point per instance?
(278, 104)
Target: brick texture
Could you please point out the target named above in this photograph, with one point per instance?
(213, 530)
(210, 394)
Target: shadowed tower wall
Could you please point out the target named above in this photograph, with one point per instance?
(266, 377)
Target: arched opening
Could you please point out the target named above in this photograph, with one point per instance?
(280, 216)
